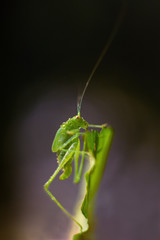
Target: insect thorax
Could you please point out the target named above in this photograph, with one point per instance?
(76, 122)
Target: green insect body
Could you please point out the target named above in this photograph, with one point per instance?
(96, 146)
(67, 144)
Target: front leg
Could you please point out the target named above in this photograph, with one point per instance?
(78, 173)
(65, 159)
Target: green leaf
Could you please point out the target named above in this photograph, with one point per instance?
(98, 145)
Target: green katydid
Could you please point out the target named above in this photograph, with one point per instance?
(96, 146)
(67, 145)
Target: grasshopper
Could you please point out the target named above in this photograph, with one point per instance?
(96, 146)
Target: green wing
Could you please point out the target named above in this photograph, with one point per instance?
(98, 145)
(60, 138)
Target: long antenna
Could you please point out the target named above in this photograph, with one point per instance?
(111, 37)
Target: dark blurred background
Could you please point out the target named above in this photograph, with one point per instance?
(48, 51)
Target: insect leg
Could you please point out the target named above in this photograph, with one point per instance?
(79, 173)
(99, 126)
(65, 159)
(76, 151)
(76, 160)
(70, 140)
